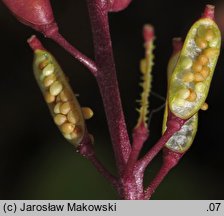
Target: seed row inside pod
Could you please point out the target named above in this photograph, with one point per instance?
(181, 141)
(63, 105)
(192, 76)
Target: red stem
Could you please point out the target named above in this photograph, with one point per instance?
(174, 124)
(34, 43)
(140, 135)
(88, 63)
(103, 171)
(177, 44)
(170, 160)
(51, 31)
(209, 12)
(107, 82)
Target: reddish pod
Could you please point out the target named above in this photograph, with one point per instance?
(118, 5)
(37, 14)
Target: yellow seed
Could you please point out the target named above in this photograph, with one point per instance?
(209, 35)
(179, 101)
(48, 70)
(188, 77)
(67, 128)
(56, 88)
(64, 95)
(201, 43)
(183, 93)
(186, 62)
(87, 112)
(196, 67)
(210, 52)
(198, 77)
(192, 96)
(202, 59)
(214, 42)
(201, 31)
(204, 107)
(200, 87)
(72, 117)
(59, 119)
(205, 71)
(43, 64)
(49, 80)
(74, 135)
(65, 108)
(67, 136)
(57, 108)
(49, 98)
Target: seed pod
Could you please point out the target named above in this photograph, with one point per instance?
(59, 88)
(199, 59)
(182, 140)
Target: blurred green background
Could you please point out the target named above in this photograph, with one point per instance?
(37, 163)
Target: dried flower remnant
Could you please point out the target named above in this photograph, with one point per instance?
(146, 65)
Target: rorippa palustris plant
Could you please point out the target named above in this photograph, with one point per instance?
(189, 73)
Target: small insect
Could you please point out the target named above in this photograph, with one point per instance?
(191, 79)
(63, 105)
(181, 141)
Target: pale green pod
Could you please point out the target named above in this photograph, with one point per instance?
(182, 140)
(171, 65)
(196, 58)
(59, 96)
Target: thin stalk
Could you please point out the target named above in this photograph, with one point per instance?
(157, 180)
(103, 171)
(52, 32)
(174, 124)
(86, 150)
(170, 160)
(140, 135)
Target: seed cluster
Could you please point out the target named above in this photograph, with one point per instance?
(64, 107)
(182, 140)
(194, 69)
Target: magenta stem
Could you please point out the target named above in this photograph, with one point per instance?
(51, 31)
(34, 43)
(209, 12)
(86, 150)
(170, 160)
(174, 124)
(177, 44)
(166, 167)
(107, 82)
(140, 135)
(103, 171)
